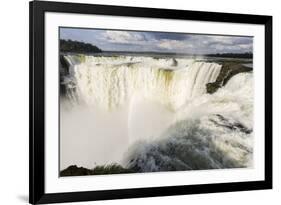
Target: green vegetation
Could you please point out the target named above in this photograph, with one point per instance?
(73, 170)
(228, 70)
(231, 55)
(78, 47)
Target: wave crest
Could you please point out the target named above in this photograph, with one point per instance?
(208, 143)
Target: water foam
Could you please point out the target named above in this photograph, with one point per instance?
(211, 132)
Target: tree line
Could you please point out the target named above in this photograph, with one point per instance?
(232, 55)
(78, 47)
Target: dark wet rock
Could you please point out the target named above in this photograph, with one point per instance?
(174, 63)
(64, 71)
(228, 70)
(220, 120)
(73, 170)
(64, 66)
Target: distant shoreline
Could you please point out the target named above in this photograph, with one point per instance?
(225, 55)
(76, 47)
(156, 54)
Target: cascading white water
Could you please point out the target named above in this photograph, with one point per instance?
(212, 132)
(110, 82)
(159, 110)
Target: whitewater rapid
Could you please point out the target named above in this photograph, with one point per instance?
(151, 114)
(211, 132)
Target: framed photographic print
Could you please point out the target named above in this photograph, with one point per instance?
(140, 102)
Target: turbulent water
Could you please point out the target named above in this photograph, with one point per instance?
(214, 131)
(153, 114)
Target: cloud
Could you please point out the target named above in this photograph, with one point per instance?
(165, 35)
(222, 44)
(223, 40)
(173, 44)
(114, 40)
(227, 41)
(123, 37)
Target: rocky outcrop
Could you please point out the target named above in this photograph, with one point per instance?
(73, 170)
(222, 121)
(228, 70)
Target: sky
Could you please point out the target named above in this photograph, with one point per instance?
(122, 40)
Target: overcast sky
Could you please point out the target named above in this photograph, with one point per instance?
(112, 40)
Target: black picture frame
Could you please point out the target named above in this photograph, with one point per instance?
(37, 194)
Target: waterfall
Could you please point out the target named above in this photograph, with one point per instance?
(110, 82)
(160, 116)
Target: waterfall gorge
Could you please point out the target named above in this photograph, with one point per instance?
(153, 114)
